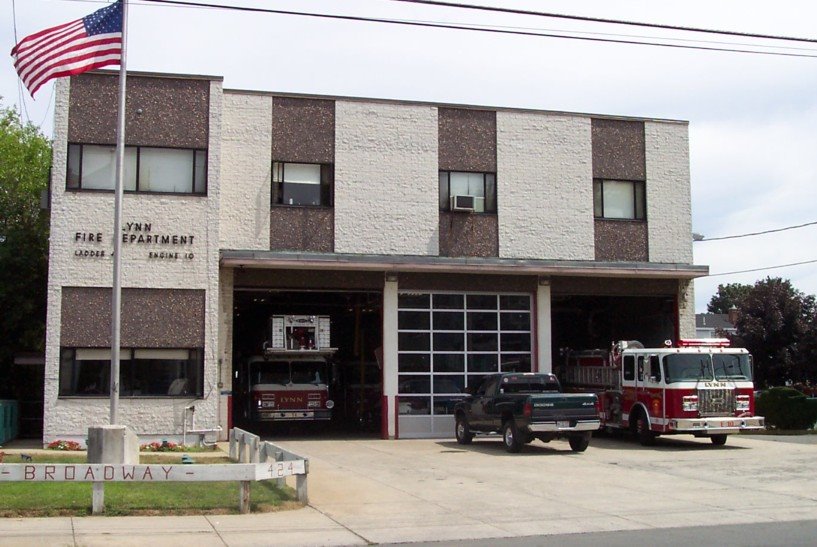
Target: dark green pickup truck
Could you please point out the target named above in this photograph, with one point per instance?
(524, 407)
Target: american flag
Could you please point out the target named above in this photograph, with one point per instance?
(72, 48)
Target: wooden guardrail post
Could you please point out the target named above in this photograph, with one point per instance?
(244, 497)
(98, 498)
(300, 484)
(233, 446)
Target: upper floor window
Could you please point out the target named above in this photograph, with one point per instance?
(619, 199)
(301, 183)
(460, 191)
(147, 169)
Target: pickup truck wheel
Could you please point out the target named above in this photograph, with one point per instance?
(462, 431)
(718, 440)
(510, 436)
(642, 430)
(579, 443)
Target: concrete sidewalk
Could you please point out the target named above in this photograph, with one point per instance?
(372, 491)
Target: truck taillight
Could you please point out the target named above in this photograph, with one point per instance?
(742, 403)
(527, 410)
(690, 403)
(598, 405)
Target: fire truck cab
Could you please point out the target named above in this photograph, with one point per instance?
(290, 381)
(701, 387)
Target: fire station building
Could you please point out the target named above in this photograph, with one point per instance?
(443, 242)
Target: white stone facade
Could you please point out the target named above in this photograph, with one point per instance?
(246, 171)
(544, 186)
(669, 205)
(386, 179)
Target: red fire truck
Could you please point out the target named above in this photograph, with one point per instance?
(701, 387)
(290, 381)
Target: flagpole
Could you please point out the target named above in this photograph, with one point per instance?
(116, 306)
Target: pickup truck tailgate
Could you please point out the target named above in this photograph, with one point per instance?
(564, 412)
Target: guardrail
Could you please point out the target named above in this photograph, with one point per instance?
(246, 447)
(256, 461)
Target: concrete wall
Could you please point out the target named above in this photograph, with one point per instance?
(196, 267)
(386, 179)
(544, 186)
(669, 206)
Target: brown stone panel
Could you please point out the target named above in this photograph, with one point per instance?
(467, 140)
(310, 229)
(618, 150)
(151, 318)
(165, 112)
(467, 282)
(468, 234)
(303, 130)
(257, 278)
(621, 241)
(606, 286)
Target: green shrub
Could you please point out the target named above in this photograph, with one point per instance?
(786, 408)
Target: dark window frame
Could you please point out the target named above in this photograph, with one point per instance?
(79, 188)
(195, 355)
(327, 184)
(490, 204)
(599, 182)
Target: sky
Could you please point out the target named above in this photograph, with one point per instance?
(753, 146)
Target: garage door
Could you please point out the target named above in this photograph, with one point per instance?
(447, 341)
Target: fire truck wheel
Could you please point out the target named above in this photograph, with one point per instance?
(718, 440)
(579, 443)
(462, 431)
(510, 436)
(642, 430)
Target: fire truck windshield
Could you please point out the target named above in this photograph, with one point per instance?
(729, 366)
(272, 372)
(687, 367)
(285, 372)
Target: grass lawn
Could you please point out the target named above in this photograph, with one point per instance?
(40, 499)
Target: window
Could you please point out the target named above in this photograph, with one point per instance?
(447, 341)
(481, 186)
(147, 169)
(655, 368)
(629, 368)
(142, 372)
(619, 199)
(302, 184)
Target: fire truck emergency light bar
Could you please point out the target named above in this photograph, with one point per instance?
(703, 343)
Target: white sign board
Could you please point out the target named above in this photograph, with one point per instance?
(105, 472)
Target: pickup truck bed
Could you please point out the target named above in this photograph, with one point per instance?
(527, 406)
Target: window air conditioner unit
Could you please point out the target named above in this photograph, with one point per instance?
(463, 203)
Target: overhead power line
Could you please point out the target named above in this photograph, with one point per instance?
(606, 21)
(765, 268)
(476, 28)
(757, 233)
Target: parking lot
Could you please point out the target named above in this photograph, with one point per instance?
(373, 491)
(425, 490)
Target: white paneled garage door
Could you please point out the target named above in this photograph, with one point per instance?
(447, 341)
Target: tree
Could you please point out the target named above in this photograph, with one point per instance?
(775, 324)
(24, 172)
(727, 296)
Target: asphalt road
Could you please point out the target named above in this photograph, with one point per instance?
(789, 534)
